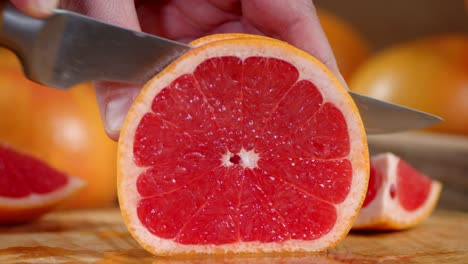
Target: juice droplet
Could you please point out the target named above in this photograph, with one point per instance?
(392, 191)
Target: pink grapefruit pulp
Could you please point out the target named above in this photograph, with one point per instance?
(29, 187)
(242, 145)
(398, 196)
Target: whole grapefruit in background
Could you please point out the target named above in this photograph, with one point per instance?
(428, 74)
(62, 128)
(244, 144)
(350, 47)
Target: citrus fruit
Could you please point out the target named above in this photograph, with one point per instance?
(241, 145)
(398, 196)
(62, 128)
(349, 46)
(30, 188)
(429, 74)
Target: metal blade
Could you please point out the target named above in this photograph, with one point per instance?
(383, 117)
(68, 48)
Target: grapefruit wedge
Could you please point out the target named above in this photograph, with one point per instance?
(398, 197)
(242, 145)
(30, 188)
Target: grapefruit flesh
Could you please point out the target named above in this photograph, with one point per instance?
(398, 196)
(375, 182)
(242, 145)
(29, 187)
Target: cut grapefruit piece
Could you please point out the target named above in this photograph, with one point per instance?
(398, 196)
(30, 188)
(242, 145)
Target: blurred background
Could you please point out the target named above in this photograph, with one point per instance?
(391, 22)
(413, 53)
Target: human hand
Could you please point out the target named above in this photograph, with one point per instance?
(36, 8)
(295, 22)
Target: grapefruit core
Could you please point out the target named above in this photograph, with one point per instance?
(242, 145)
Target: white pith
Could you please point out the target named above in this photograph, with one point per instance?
(34, 199)
(386, 212)
(309, 70)
(248, 159)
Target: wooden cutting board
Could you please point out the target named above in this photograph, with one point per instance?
(99, 236)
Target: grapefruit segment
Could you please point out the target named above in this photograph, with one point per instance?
(242, 145)
(413, 187)
(375, 182)
(29, 187)
(398, 196)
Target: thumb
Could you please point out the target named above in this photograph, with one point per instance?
(295, 22)
(114, 99)
(36, 8)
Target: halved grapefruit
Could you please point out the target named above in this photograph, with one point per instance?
(398, 197)
(242, 145)
(29, 187)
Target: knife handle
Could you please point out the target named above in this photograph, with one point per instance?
(18, 30)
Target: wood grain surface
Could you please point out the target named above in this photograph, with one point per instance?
(99, 236)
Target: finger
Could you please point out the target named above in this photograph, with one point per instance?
(36, 8)
(295, 22)
(117, 12)
(114, 99)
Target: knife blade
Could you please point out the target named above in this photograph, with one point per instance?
(380, 117)
(68, 48)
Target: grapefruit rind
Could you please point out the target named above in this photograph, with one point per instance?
(385, 213)
(73, 185)
(24, 209)
(225, 36)
(311, 69)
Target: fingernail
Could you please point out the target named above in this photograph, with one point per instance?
(116, 110)
(44, 7)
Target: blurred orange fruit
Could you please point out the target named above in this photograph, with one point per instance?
(63, 128)
(350, 47)
(428, 74)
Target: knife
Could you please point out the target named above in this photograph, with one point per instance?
(68, 48)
